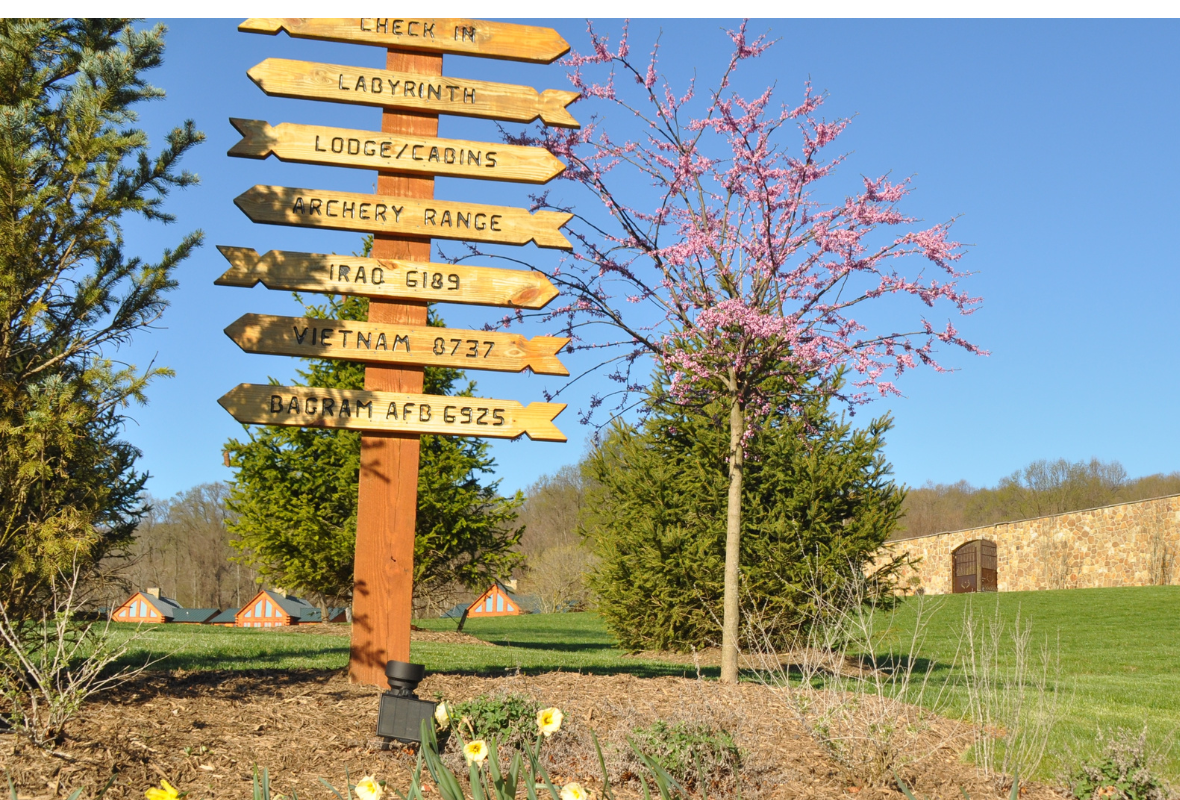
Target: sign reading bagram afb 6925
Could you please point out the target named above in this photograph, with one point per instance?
(310, 407)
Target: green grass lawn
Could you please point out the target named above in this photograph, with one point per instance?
(1119, 648)
(533, 643)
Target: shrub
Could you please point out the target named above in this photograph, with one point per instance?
(50, 666)
(508, 718)
(818, 502)
(1123, 773)
(684, 747)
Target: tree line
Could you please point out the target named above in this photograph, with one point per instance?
(183, 545)
(1039, 489)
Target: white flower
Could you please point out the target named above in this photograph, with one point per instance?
(549, 720)
(367, 788)
(441, 715)
(573, 791)
(475, 751)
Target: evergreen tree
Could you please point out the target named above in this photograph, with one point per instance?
(295, 494)
(72, 165)
(819, 503)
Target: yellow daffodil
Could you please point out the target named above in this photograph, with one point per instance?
(367, 788)
(549, 720)
(573, 791)
(441, 715)
(475, 751)
(165, 792)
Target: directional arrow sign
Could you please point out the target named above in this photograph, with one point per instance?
(399, 344)
(280, 77)
(382, 277)
(367, 213)
(310, 407)
(469, 37)
(344, 147)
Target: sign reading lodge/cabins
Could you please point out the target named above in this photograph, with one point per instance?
(403, 215)
(345, 147)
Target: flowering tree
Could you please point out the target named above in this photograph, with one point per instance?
(715, 258)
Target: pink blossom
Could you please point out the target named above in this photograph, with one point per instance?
(754, 281)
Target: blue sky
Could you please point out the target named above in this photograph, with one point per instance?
(1053, 142)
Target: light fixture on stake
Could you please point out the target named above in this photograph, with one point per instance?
(401, 713)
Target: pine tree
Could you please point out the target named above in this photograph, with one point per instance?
(819, 503)
(72, 165)
(295, 494)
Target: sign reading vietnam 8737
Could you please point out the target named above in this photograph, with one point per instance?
(399, 344)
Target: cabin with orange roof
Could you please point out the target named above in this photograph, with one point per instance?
(146, 606)
(501, 600)
(274, 608)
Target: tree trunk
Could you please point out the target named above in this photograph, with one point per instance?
(733, 539)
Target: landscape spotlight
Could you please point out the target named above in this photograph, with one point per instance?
(401, 713)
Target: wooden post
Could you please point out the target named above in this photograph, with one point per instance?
(383, 578)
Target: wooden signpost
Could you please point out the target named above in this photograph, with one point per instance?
(373, 277)
(398, 278)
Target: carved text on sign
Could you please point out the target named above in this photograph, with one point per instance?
(445, 35)
(412, 413)
(372, 277)
(402, 344)
(343, 147)
(367, 213)
(280, 77)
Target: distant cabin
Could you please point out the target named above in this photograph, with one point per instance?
(194, 616)
(224, 619)
(147, 606)
(274, 608)
(501, 601)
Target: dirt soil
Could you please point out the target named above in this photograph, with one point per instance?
(205, 731)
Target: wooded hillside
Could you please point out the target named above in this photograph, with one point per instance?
(1039, 489)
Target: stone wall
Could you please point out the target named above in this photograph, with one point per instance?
(1129, 544)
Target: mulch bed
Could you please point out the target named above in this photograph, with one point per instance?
(205, 731)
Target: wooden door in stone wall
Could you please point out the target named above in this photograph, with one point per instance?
(974, 567)
(988, 567)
